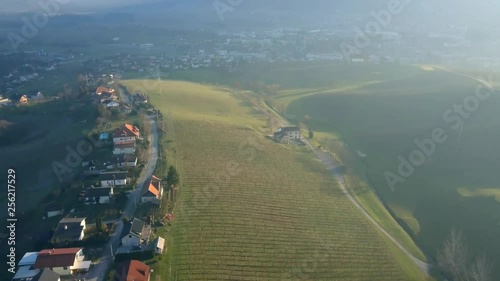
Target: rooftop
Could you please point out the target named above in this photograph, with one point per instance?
(113, 176)
(56, 257)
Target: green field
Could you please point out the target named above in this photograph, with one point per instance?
(380, 111)
(250, 209)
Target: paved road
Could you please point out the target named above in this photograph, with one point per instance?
(98, 272)
(336, 169)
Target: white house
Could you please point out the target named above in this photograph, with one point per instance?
(111, 179)
(69, 229)
(287, 134)
(124, 148)
(126, 133)
(136, 233)
(63, 261)
(99, 195)
(122, 161)
(152, 191)
(54, 209)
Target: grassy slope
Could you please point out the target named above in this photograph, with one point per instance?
(298, 81)
(280, 215)
(454, 188)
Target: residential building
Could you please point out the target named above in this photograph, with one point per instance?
(69, 230)
(111, 179)
(135, 233)
(23, 99)
(54, 209)
(126, 133)
(99, 195)
(27, 273)
(122, 161)
(125, 148)
(287, 134)
(152, 192)
(133, 270)
(63, 261)
(102, 89)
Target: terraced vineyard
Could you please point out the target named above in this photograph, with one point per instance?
(251, 209)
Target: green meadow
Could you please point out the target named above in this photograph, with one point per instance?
(251, 209)
(380, 111)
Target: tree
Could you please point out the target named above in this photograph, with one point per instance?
(452, 258)
(172, 176)
(311, 133)
(480, 270)
(98, 224)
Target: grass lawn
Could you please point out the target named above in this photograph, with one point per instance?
(250, 209)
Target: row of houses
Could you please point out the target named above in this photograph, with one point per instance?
(52, 264)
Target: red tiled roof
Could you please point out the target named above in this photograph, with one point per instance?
(133, 129)
(132, 271)
(126, 130)
(50, 258)
(102, 89)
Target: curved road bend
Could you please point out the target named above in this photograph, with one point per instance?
(98, 272)
(333, 166)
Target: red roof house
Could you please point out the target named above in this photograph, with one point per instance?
(132, 271)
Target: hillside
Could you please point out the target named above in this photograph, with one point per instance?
(251, 209)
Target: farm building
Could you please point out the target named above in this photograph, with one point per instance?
(287, 134)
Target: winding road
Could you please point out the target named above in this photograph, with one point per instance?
(98, 272)
(335, 168)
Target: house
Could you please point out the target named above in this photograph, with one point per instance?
(106, 97)
(99, 195)
(287, 134)
(139, 98)
(152, 191)
(5, 101)
(125, 109)
(68, 230)
(122, 161)
(54, 209)
(135, 233)
(38, 96)
(110, 179)
(27, 273)
(23, 99)
(112, 104)
(158, 245)
(126, 133)
(63, 261)
(133, 270)
(124, 148)
(102, 89)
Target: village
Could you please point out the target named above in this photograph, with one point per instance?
(109, 231)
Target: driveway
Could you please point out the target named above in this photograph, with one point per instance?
(98, 271)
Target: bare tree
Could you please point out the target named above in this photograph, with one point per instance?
(480, 270)
(452, 259)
